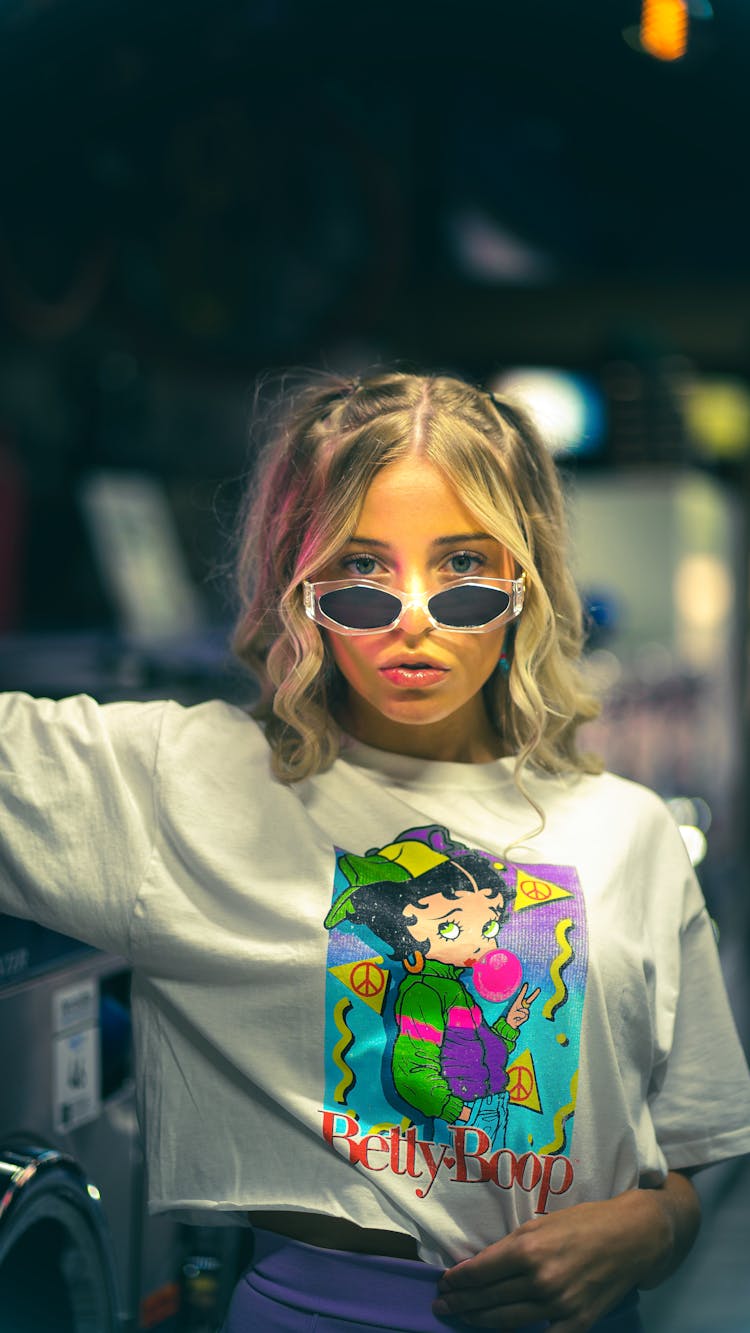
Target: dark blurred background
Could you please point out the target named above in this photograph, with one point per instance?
(548, 197)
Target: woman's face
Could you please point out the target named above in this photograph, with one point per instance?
(414, 534)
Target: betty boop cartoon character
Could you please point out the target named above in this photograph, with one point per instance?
(448, 1062)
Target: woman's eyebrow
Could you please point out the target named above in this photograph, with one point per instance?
(464, 537)
(454, 540)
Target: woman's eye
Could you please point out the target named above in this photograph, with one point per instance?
(449, 930)
(490, 929)
(463, 562)
(361, 564)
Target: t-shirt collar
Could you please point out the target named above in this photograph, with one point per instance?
(407, 771)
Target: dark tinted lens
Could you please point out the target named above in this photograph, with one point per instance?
(360, 608)
(468, 606)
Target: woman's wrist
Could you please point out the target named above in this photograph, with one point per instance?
(662, 1225)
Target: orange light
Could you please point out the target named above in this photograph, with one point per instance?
(664, 28)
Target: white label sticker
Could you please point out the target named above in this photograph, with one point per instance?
(75, 1006)
(76, 1080)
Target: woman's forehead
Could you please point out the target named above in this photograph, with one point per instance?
(392, 492)
(410, 507)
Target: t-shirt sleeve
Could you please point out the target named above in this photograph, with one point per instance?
(700, 1091)
(77, 812)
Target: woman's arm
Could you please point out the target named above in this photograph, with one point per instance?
(77, 812)
(676, 1205)
(571, 1267)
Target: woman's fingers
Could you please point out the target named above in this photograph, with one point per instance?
(564, 1267)
(497, 1263)
(498, 1296)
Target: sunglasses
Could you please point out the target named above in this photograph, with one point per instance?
(358, 606)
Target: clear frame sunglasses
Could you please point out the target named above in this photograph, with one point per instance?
(360, 606)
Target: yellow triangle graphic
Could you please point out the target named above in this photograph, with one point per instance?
(533, 892)
(366, 979)
(522, 1086)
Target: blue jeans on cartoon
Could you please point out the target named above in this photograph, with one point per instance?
(490, 1114)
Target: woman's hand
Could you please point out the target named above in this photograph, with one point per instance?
(573, 1266)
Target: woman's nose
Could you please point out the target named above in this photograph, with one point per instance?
(415, 619)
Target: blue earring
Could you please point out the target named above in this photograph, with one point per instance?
(506, 656)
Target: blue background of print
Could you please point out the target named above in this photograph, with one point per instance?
(358, 1077)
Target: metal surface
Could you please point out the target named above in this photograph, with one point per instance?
(56, 1261)
(65, 1089)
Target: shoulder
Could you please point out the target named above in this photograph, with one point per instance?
(215, 736)
(601, 796)
(422, 989)
(211, 724)
(608, 820)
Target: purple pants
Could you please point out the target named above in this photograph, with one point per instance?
(295, 1288)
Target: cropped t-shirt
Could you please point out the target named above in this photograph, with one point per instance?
(373, 993)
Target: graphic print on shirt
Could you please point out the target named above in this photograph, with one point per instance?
(454, 995)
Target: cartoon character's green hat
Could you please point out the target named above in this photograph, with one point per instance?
(393, 864)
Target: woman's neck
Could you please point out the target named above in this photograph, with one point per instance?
(455, 739)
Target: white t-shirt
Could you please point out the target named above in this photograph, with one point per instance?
(291, 1054)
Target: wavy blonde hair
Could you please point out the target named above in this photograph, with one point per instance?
(326, 443)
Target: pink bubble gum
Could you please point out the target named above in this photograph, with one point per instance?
(497, 975)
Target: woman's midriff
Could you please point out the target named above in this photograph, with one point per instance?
(336, 1233)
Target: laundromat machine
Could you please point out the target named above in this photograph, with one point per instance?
(78, 1253)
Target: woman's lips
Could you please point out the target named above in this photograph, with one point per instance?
(414, 677)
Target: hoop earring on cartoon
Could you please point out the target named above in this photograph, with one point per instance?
(418, 963)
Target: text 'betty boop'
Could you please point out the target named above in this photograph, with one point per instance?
(468, 1161)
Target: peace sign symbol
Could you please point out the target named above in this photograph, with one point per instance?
(520, 1084)
(536, 890)
(367, 979)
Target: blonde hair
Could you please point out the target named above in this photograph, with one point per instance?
(329, 440)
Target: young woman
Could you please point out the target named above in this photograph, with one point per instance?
(417, 989)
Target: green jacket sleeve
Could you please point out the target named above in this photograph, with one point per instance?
(508, 1034)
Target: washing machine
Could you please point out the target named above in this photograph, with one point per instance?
(78, 1252)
